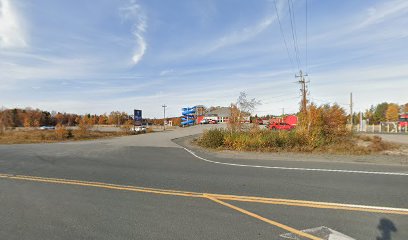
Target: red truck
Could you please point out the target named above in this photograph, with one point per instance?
(403, 121)
(280, 126)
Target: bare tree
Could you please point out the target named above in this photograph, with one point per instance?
(247, 105)
(244, 106)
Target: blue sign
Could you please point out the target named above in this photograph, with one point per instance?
(138, 117)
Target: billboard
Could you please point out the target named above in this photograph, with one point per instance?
(137, 117)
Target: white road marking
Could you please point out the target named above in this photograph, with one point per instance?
(298, 169)
(323, 232)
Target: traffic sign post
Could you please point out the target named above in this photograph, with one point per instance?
(137, 119)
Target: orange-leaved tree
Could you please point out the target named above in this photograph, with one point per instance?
(392, 112)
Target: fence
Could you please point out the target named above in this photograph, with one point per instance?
(389, 127)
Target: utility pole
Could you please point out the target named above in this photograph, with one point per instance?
(303, 90)
(351, 110)
(283, 112)
(164, 116)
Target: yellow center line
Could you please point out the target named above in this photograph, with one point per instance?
(311, 204)
(274, 223)
(272, 201)
(102, 185)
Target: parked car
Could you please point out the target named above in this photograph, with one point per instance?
(212, 121)
(205, 121)
(140, 129)
(47, 128)
(280, 126)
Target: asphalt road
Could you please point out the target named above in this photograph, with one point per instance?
(32, 208)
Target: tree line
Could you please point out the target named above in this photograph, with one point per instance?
(383, 112)
(28, 117)
(35, 118)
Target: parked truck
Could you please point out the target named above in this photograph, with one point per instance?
(403, 121)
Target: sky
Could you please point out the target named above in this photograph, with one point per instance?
(97, 56)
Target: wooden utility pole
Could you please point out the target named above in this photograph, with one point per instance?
(351, 110)
(303, 90)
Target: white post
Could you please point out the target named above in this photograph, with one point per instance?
(361, 122)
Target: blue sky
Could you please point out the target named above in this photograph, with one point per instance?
(101, 55)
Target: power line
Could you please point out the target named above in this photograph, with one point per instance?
(293, 28)
(329, 102)
(282, 100)
(307, 16)
(283, 35)
(279, 96)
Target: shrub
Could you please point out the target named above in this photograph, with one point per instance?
(325, 124)
(127, 126)
(320, 129)
(61, 132)
(84, 126)
(70, 134)
(213, 138)
(299, 140)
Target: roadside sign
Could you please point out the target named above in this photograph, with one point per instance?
(137, 117)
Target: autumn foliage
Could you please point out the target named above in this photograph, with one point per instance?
(61, 132)
(84, 125)
(323, 125)
(28, 117)
(320, 128)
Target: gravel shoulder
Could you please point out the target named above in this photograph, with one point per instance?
(387, 159)
(401, 138)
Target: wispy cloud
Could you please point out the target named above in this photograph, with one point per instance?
(166, 72)
(380, 13)
(375, 26)
(134, 13)
(244, 34)
(12, 33)
(213, 45)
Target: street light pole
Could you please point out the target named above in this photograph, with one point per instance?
(164, 116)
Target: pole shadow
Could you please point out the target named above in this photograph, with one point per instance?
(386, 228)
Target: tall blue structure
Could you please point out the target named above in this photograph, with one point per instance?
(188, 118)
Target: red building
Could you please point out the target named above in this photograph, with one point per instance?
(289, 119)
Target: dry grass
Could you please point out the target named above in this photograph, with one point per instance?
(49, 136)
(290, 141)
(320, 129)
(375, 143)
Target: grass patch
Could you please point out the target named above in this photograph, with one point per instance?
(48, 136)
(290, 141)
